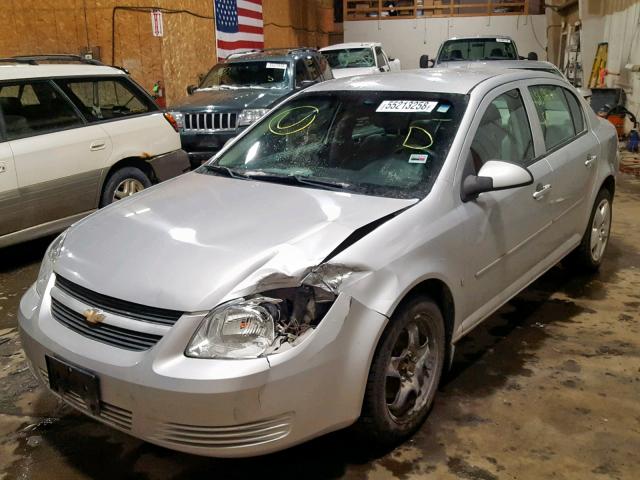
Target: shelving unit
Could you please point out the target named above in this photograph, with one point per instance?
(403, 9)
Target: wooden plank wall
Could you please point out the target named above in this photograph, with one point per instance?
(186, 51)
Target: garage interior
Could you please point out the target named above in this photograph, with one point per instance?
(547, 387)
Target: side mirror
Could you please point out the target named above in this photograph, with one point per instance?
(495, 175)
(306, 83)
(424, 61)
(532, 56)
(191, 89)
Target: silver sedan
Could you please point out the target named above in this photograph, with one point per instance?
(318, 272)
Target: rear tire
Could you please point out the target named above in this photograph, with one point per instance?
(123, 183)
(587, 257)
(405, 373)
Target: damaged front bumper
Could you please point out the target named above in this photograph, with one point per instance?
(225, 408)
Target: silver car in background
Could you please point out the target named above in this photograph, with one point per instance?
(318, 272)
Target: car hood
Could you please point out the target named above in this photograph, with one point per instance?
(191, 242)
(350, 72)
(231, 99)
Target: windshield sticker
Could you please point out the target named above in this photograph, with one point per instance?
(417, 139)
(406, 106)
(279, 66)
(443, 108)
(293, 120)
(418, 158)
(503, 40)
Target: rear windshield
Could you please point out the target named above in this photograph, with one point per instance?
(350, 58)
(377, 143)
(476, 49)
(248, 75)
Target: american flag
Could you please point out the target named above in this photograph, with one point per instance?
(239, 26)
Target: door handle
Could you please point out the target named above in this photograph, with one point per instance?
(541, 191)
(592, 157)
(99, 145)
(3, 167)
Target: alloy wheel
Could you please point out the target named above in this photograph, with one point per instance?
(600, 229)
(126, 188)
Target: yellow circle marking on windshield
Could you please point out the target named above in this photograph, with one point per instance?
(276, 127)
(417, 147)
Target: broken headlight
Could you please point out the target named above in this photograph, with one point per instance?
(251, 327)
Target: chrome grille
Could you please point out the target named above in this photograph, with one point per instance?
(109, 414)
(109, 334)
(204, 122)
(132, 310)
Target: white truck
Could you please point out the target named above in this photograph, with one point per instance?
(348, 59)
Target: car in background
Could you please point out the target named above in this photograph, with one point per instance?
(237, 92)
(75, 135)
(536, 65)
(459, 50)
(319, 271)
(348, 59)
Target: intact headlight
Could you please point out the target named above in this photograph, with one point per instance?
(48, 262)
(251, 115)
(258, 325)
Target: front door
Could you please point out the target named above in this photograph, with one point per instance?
(507, 230)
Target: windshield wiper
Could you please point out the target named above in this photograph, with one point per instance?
(298, 180)
(229, 172)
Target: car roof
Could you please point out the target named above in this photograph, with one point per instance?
(281, 54)
(342, 46)
(434, 80)
(524, 64)
(475, 37)
(18, 71)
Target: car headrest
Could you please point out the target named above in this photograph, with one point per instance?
(497, 52)
(456, 54)
(10, 105)
(492, 115)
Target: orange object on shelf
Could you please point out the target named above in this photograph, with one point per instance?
(617, 120)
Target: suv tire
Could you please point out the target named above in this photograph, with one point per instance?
(408, 363)
(123, 183)
(587, 257)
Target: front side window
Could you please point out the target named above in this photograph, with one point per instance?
(554, 113)
(34, 109)
(254, 74)
(504, 132)
(376, 143)
(477, 49)
(106, 99)
(350, 58)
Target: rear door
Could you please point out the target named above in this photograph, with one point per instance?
(507, 230)
(58, 158)
(572, 150)
(10, 211)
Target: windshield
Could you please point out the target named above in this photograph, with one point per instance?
(350, 58)
(478, 49)
(377, 143)
(247, 75)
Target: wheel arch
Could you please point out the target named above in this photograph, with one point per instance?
(136, 162)
(610, 184)
(442, 295)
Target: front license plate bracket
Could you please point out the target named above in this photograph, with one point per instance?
(65, 378)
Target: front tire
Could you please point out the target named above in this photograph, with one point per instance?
(405, 373)
(123, 183)
(587, 257)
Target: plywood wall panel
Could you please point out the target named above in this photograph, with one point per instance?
(186, 51)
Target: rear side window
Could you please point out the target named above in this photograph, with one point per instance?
(576, 111)
(106, 99)
(555, 114)
(35, 108)
(504, 132)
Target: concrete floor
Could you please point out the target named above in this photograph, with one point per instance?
(549, 387)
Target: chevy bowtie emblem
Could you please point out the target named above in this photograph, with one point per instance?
(93, 316)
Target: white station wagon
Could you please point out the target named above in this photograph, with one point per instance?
(318, 272)
(74, 137)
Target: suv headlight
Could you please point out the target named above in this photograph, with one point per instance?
(256, 326)
(48, 262)
(251, 115)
